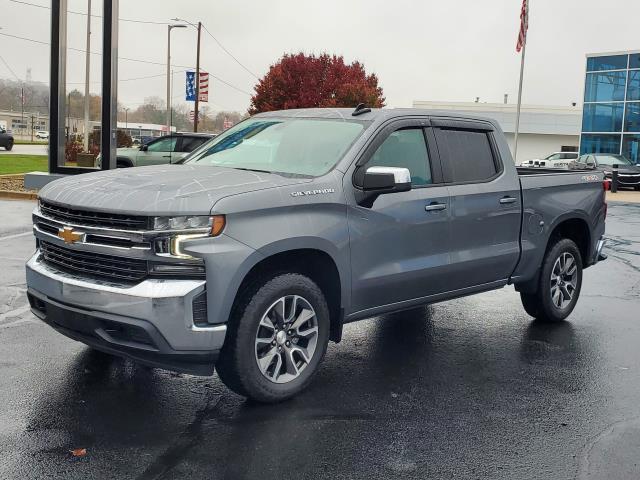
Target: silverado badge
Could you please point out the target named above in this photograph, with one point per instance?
(69, 235)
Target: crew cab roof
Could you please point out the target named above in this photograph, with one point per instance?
(376, 114)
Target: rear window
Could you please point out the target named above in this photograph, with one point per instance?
(467, 155)
(189, 144)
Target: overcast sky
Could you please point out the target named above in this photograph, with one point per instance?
(454, 50)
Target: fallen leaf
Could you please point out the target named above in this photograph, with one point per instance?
(78, 452)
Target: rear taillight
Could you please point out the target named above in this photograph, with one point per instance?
(606, 185)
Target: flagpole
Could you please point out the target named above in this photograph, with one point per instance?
(515, 148)
(524, 49)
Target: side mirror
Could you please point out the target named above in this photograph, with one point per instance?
(144, 148)
(377, 181)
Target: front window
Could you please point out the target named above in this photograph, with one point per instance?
(298, 146)
(612, 160)
(167, 144)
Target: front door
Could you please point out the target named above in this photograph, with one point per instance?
(158, 152)
(399, 246)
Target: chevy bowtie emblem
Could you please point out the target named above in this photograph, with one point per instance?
(69, 235)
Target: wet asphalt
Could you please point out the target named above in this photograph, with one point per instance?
(471, 388)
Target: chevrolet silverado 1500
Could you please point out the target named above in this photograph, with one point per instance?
(250, 256)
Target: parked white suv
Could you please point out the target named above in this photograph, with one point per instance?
(42, 134)
(555, 160)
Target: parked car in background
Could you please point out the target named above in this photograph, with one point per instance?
(42, 134)
(628, 173)
(6, 139)
(166, 149)
(251, 255)
(555, 160)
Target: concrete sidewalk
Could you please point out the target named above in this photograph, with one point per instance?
(626, 196)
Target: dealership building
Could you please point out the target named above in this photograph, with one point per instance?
(543, 129)
(611, 118)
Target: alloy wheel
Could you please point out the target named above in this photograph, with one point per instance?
(286, 339)
(564, 280)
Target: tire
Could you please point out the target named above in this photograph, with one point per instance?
(559, 286)
(123, 163)
(9, 146)
(252, 338)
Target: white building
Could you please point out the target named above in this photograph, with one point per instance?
(543, 129)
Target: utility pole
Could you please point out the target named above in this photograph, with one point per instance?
(197, 103)
(33, 126)
(169, 28)
(87, 61)
(22, 104)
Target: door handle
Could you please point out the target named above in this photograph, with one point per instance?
(507, 200)
(166, 156)
(432, 207)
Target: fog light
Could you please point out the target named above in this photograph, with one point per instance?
(177, 269)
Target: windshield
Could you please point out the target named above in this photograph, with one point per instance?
(299, 146)
(612, 160)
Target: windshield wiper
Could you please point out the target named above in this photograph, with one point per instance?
(251, 169)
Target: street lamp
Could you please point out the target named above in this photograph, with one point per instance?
(126, 120)
(197, 79)
(169, 28)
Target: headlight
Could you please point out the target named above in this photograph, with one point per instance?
(173, 245)
(182, 222)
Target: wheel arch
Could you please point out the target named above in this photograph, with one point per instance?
(124, 161)
(310, 260)
(572, 225)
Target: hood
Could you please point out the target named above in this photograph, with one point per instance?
(159, 189)
(626, 169)
(127, 150)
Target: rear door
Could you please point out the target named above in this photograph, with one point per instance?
(399, 246)
(485, 203)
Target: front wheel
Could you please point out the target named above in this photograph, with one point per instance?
(9, 146)
(276, 340)
(559, 285)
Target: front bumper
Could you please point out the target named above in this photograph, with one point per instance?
(150, 322)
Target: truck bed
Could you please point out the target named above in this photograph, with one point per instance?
(522, 171)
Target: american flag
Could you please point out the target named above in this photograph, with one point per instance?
(204, 87)
(524, 25)
(191, 87)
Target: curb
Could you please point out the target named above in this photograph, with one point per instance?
(18, 195)
(12, 175)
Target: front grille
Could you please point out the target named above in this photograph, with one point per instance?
(629, 178)
(94, 264)
(94, 219)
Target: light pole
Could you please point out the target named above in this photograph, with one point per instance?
(169, 28)
(197, 101)
(126, 120)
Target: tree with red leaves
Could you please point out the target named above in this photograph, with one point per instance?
(307, 81)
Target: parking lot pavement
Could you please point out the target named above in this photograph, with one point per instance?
(26, 150)
(471, 388)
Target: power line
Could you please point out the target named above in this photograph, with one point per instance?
(150, 22)
(9, 68)
(229, 53)
(128, 59)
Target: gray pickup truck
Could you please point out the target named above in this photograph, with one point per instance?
(252, 254)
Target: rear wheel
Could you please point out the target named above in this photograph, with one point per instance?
(559, 285)
(276, 340)
(9, 146)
